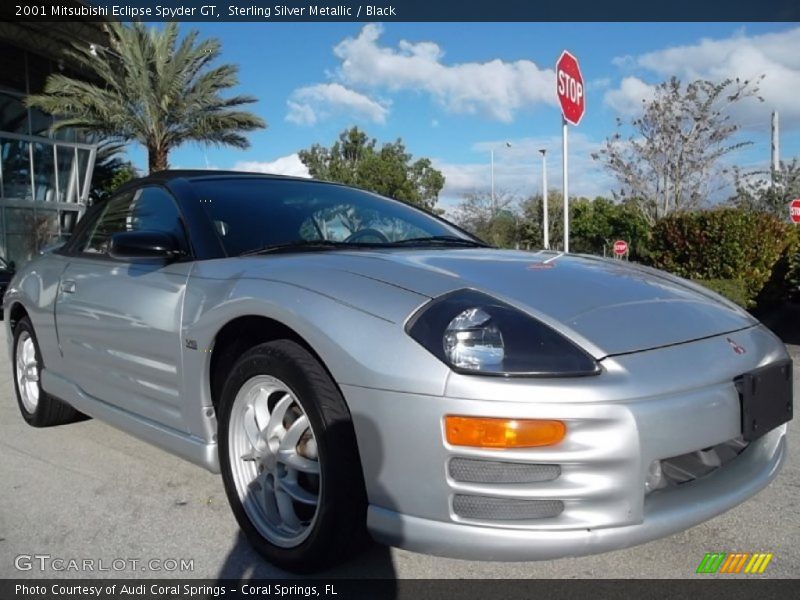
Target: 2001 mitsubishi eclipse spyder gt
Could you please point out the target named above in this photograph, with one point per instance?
(351, 364)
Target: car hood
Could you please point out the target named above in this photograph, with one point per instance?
(608, 306)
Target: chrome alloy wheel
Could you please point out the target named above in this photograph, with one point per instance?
(27, 372)
(274, 461)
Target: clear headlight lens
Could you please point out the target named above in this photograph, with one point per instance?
(472, 341)
(475, 333)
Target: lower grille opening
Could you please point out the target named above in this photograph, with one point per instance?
(470, 470)
(691, 466)
(505, 509)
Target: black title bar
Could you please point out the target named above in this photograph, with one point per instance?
(399, 10)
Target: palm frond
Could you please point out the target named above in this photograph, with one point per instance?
(155, 87)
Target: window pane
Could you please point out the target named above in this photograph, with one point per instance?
(13, 114)
(154, 210)
(149, 209)
(67, 173)
(114, 219)
(251, 213)
(44, 173)
(16, 169)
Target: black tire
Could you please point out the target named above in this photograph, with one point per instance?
(339, 529)
(49, 411)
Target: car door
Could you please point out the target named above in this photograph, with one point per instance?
(118, 322)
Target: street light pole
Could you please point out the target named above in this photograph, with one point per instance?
(545, 215)
(492, 155)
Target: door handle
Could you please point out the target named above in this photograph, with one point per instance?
(68, 286)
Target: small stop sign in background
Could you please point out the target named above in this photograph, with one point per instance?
(570, 88)
(794, 211)
(620, 247)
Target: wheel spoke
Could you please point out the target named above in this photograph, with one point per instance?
(261, 409)
(292, 459)
(275, 424)
(286, 510)
(252, 431)
(293, 489)
(294, 433)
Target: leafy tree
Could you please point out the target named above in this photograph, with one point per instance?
(674, 152)
(532, 219)
(152, 88)
(355, 159)
(494, 220)
(596, 224)
(758, 192)
(111, 170)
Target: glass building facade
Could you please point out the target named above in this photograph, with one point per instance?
(45, 178)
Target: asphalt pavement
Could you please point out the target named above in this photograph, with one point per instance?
(86, 491)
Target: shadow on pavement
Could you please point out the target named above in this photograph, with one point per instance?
(783, 320)
(243, 562)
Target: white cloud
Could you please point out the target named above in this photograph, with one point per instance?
(309, 104)
(775, 55)
(495, 88)
(627, 99)
(518, 169)
(285, 165)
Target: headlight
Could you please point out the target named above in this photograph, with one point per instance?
(475, 333)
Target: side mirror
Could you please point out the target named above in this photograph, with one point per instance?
(143, 245)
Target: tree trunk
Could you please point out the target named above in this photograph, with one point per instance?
(157, 159)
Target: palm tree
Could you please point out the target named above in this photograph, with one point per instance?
(152, 88)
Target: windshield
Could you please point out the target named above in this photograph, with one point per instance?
(255, 214)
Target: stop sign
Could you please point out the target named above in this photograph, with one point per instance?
(620, 247)
(570, 88)
(794, 211)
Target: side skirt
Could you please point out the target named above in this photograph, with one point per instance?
(188, 447)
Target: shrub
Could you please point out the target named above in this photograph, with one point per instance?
(728, 244)
(733, 289)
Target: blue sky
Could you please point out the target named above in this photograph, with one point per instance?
(453, 91)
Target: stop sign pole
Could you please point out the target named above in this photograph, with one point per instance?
(571, 97)
(565, 169)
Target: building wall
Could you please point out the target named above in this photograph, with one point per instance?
(44, 177)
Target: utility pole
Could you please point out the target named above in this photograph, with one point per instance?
(775, 158)
(545, 215)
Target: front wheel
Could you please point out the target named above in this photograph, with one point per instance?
(289, 458)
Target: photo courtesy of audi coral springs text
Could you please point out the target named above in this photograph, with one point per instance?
(398, 378)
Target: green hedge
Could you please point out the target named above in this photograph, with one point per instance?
(727, 245)
(733, 289)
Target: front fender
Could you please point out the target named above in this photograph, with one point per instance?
(358, 347)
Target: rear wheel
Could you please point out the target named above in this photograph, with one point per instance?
(289, 458)
(38, 408)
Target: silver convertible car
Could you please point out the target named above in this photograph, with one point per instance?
(353, 365)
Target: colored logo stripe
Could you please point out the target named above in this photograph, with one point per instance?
(758, 563)
(711, 562)
(722, 562)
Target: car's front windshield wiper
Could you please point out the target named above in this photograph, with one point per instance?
(440, 240)
(299, 246)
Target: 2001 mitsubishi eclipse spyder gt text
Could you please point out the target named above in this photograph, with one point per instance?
(351, 364)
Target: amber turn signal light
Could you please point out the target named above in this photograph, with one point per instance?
(488, 432)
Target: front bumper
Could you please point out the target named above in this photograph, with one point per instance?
(664, 514)
(646, 406)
